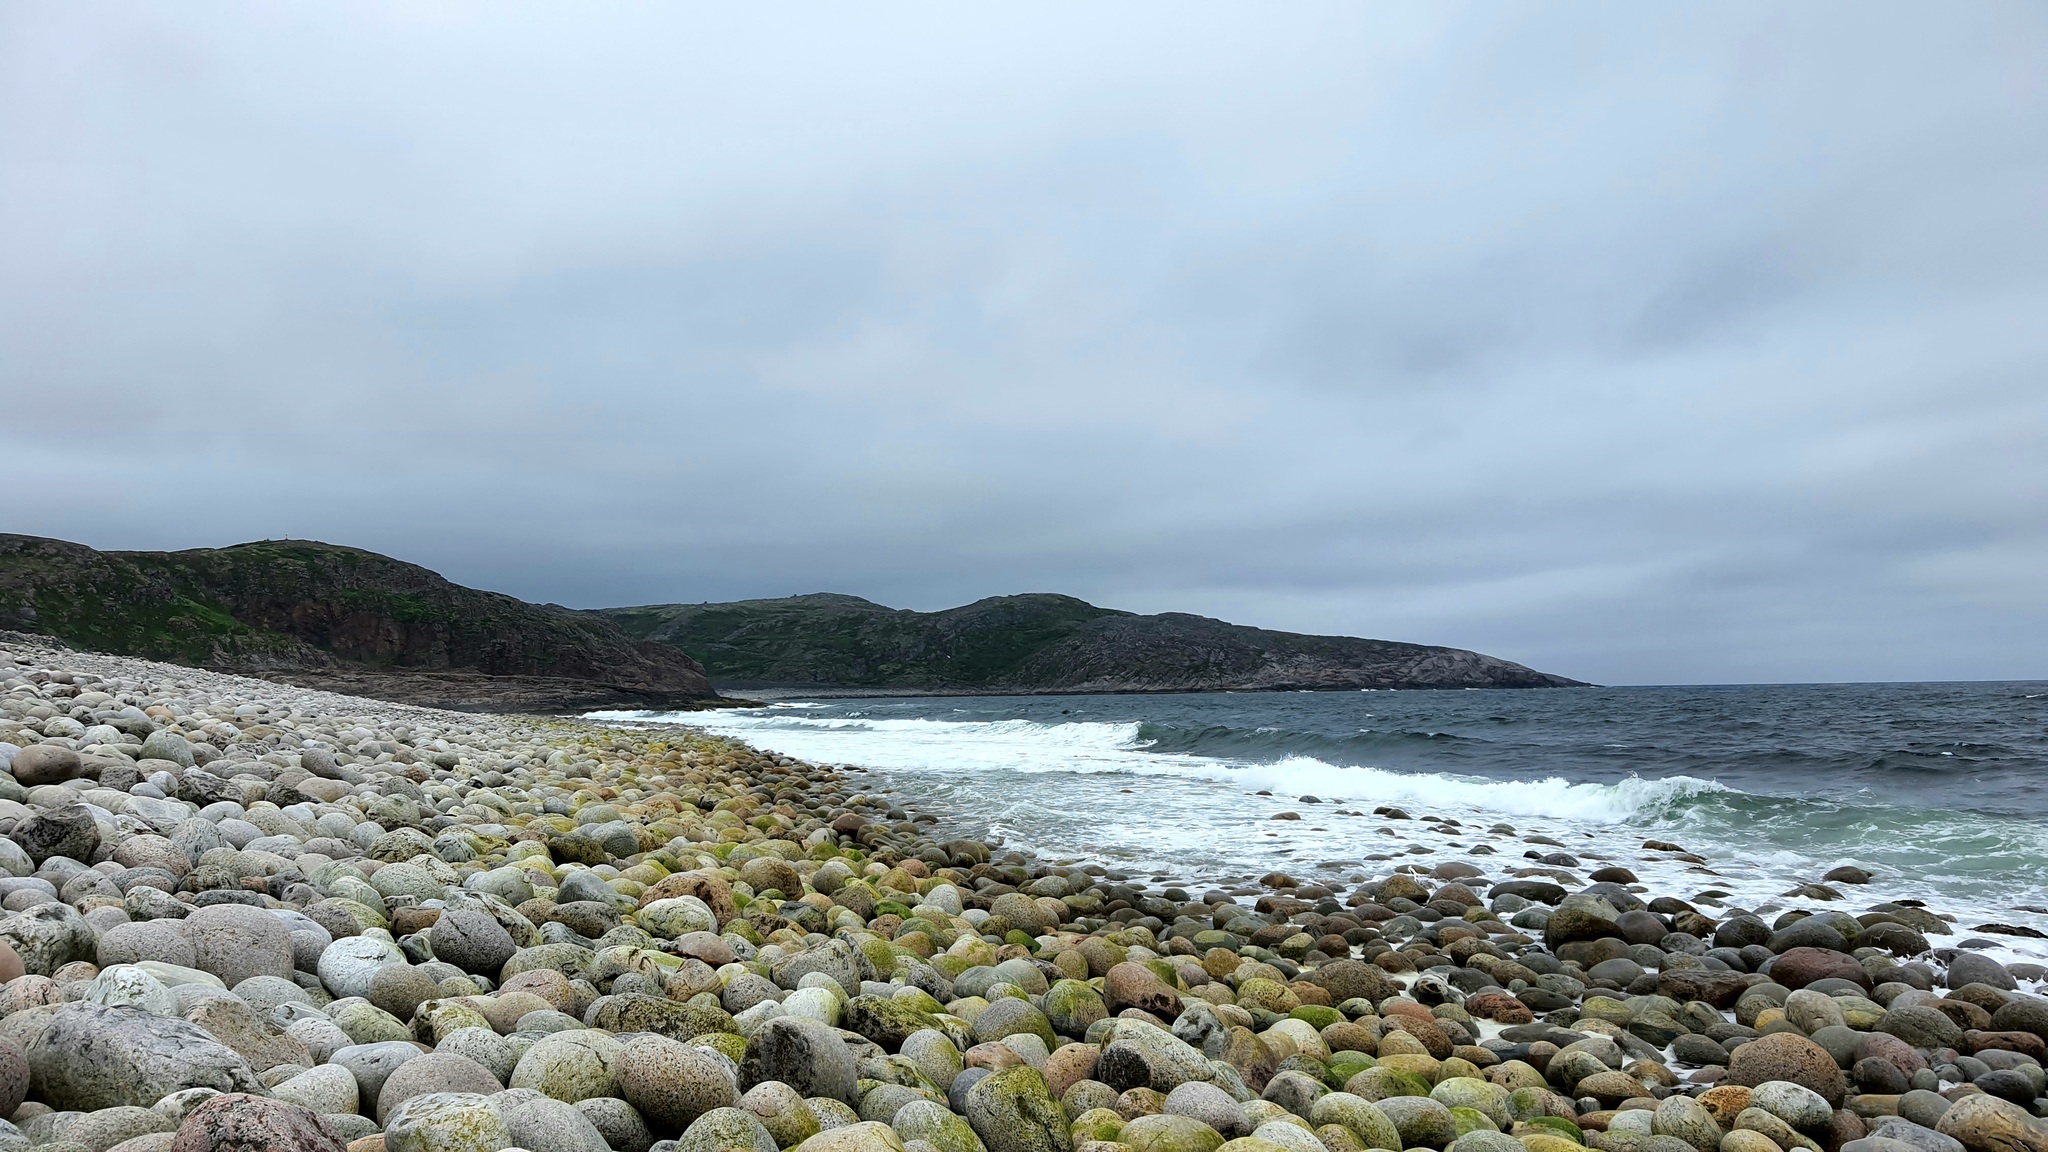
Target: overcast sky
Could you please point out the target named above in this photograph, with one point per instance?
(1635, 342)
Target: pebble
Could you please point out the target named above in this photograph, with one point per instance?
(249, 915)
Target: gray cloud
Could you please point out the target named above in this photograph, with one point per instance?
(1640, 344)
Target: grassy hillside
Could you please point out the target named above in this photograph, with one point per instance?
(304, 607)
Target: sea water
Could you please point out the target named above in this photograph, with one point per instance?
(1939, 790)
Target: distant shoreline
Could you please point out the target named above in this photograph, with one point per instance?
(778, 692)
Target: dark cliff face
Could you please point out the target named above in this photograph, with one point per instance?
(1041, 643)
(329, 616)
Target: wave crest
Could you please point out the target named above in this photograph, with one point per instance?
(1089, 747)
(1553, 796)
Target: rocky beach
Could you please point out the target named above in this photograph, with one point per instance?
(246, 915)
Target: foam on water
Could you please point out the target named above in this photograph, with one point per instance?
(1552, 796)
(1120, 801)
(1086, 747)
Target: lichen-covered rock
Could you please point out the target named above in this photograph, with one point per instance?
(1686, 1119)
(1013, 1111)
(472, 940)
(1167, 1132)
(447, 1122)
(347, 965)
(263, 1044)
(68, 831)
(1131, 985)
(1139, 1055)
(677, 916)
(1422, 1122)
(541, 1122)
(324, 1088)
(867, 1136)
(1071, 1006)
(429, 1074)
(726, 1130)
(1009, 1016)
(886, 1020)
(1988, 1124)
(47, 937)
(236, 942)
(637, 1012)
(937, 1126)
(1795, 1104)
(1362, 1117)
(1581, 916)
(89, 1057)
(570, 1066)
(671, 1083)
(803, 1054)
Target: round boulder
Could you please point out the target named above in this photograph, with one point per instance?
(237, 1120)
(236, 941)
(672, 1083)
(1785, 1056)
(46, 764)
(433, 1072)
(472, 940)
(804, 1054)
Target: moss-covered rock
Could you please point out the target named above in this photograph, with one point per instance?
(1381, 1082)
(1422, 1122)
(726, 1130)
(1361, 1116)
(1168, 1133)
(934, 1124)
(1013, 1111)
(1071, 1006)
(1490, 1100)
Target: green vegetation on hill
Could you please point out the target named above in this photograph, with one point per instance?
(291, 606)
(1038, 643)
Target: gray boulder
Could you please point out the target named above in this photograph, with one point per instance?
(90, 1057)
(49, 936)
(804, 1054)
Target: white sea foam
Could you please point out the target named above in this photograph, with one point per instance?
(1086, 790)
(954, 747)
(1552, 796)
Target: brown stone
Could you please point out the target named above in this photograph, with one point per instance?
(714, 891)
(2025, 1043)
(238, 1122)
(1130, 985)
(1788, 1056)
(1500, 1007)
(1610, 1088)
(1354, 980)
(1069, 1065)
(1724, 1102)
(46, 764)
(1987, 1124)
(1720, 989)
(1798, 967)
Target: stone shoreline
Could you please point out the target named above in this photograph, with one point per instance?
(242, 914)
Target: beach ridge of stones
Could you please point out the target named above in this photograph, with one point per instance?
(236, 914)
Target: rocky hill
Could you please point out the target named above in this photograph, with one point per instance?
(338, 618)
(1039, 643)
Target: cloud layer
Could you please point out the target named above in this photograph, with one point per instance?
(1636, 343)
